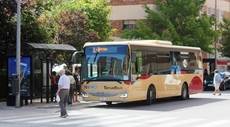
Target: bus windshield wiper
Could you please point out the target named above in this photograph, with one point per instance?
(95, 57)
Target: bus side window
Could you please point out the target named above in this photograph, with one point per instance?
(164, 63)
(183, 59)
(193, 65)
(145, 63)
(139, 62)
(149, 63)
(133, 63)
(176, 62)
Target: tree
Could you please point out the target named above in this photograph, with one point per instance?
(32, 31)
(74, 27)
(7, 29)
(226, 37)
(179, 21)
(30, 28)
(78, 21)
(55, 21)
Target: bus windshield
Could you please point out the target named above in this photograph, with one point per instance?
(106, 63)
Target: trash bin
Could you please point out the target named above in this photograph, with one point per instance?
(11, 95)
(13, 89)
(10, 100)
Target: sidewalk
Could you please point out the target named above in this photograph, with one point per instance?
(52, 105)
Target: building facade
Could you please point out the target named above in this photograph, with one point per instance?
(222, 8)
(125, 13)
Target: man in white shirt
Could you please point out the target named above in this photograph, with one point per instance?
(217, 79)
(63, 92)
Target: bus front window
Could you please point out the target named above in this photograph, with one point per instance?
(106, 63)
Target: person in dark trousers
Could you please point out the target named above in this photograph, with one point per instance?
(54, 86)
(77, 79)
(72, 87)
(63, 92)
(205, 75)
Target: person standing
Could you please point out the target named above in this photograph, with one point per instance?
(217, 79)
(72, 87)
(205, 75)
(63, 92)
(54, 85)
(77, 80)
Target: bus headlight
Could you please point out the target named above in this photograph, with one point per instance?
(85, 95)
(124, 95)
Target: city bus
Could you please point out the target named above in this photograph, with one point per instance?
(144, 70)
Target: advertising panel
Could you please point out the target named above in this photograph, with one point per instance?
(25, 66)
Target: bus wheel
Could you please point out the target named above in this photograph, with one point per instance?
(184, 92)
(151, 95)
(108, 103)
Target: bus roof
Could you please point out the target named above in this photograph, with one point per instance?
(153, 43)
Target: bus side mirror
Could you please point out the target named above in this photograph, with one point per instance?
(77, 57)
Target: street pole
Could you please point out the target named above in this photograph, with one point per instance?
(215, 31)
(18, 53)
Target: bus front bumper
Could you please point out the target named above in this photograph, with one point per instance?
(118, 98)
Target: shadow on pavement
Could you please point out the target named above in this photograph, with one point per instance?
(167, 104)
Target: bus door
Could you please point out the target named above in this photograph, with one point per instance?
(168, 72)
(138, 87)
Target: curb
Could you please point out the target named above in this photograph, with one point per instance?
(39, 105)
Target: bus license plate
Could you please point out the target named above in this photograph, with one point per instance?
(103, 98)
(210, 85)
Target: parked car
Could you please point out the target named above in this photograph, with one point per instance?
(226, 82)
(208, 81)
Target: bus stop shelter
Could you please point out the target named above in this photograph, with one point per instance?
(43, 57)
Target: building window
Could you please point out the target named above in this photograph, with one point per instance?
(220, 14)
(129, 24)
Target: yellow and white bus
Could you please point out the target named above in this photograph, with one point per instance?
(140, 70)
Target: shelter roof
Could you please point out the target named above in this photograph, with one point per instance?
(60, 47)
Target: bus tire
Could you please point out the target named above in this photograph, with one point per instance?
(151, 95)
(184, 92)
(108, 103)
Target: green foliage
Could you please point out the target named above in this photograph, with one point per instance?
(55, 21)
(226, 37)
(7, 27)
(30, 28)
(178, 21)
(90, 24)
(74, 29)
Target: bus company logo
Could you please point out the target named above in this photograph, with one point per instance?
(90, 87)
(112, 88)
